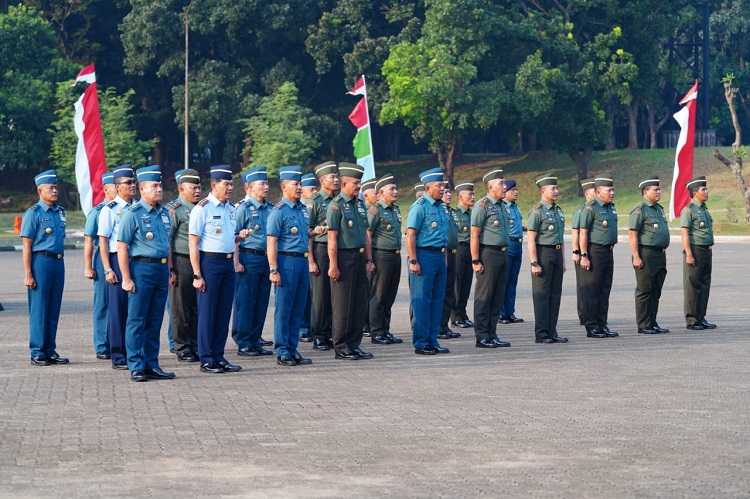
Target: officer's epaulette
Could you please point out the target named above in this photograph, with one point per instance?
(420, 201)
(374, 209)
(637, 208)
(241, 202)
(112, 204)
(203, 202)
(279, 205)
(174, 204)
(483, 202)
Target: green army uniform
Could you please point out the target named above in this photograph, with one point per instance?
(600, 221)
(587, 183)
(464, 272)
(385, 227)
(365, 186)
(652, 229)
(548, 222)
(697, 220)
(320, 285)
(449, 302)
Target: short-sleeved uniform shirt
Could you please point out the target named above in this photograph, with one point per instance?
(601, 222)
(91, 227)
(319, 213)
(489, 215)
(548, 221)
(348, 217)
(697, 220)
(288, 222)
(649, 222)
(109, 221)
(179, 214)
(214, 222)
(575, 222)
(462, 217)
(45, 226)
(452, 228)
(430, 221)
(385, 223)
(515, 220)
(146, 230)
(253, 215)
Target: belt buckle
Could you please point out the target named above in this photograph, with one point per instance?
(558, 246)
(442, 250)
(504, 248)
(163, 260)
(229, 256)
(59, 256)
(397, 252)
(305, 254)
(453, 252)
(361, 250)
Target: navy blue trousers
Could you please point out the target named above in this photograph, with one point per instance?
(44, 304)
(117, 314)
(215, 307)
(251, 294)
(145, 314)
(291, 300)
(99, 314)
(427, 295)
(509, 304)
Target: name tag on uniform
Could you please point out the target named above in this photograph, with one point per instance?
(165, 219)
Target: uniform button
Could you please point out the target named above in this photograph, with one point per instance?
(294, 230)
(433, 224)
(48, 230)
(605, 223)
(149, 236)
(350, 223)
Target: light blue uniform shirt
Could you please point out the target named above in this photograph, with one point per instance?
(430, 219)
(109, 221)
(289, 222)
(254, 216)
(91, 227)
(45, 226)
(214, 223)
(146, 229)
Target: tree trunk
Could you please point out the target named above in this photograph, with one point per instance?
(736, 166)
(445, 153)
(654, 126)
(582, 158)
(533, 139)
(611, 141)
(633, 124)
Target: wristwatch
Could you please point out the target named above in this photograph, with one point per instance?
(576, 252)
(412, 262)
(197, 276)
(584, 254)
(476, 262)
(273, 270)
(535, 264)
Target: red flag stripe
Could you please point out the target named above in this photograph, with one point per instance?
(358, 116)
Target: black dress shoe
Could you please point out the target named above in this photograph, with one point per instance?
(229, 367)
(439, 349)
(657, 327)
(344, 355)
(444, 336)
(300, 360)
(121, 367)
(503, 320)
(559, 339)
(253, 352)
(366, 334)
(609, 332)
(395, 339)
(500, 343)
(698, 326)
(138, 376)
(425, 351)
(265, 343)
(362, 354)
(514, 320)
(544, 340)
(381, 340)
(321, 344)
(305, 337)
(485, 343)
(647, 331)
(40, 361)
(593, 332)
(187, 357)
(103, 356)
(158, 373)
(708, 325)
(464, 323)
(211, 368)
(285, 360)
(55, 359)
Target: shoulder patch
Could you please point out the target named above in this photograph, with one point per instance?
(373, 210)
(483, 202)
(636, 209)
(112, 204)
(334, 206)
(203, 202)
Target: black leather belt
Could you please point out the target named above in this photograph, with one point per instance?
(493, 247)
(253, 251)
(181, 255)
(608, 246)
(226, 256)
(551, 246)
(51, 254)
(516, 239)
(434, 249)
(463, 243)
(321, 243)
(391, 251)
(352, 250)
(293, 253)
(149, 259)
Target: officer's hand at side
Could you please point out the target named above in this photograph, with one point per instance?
(585, 263)
(239, 268)
(536, 270)
(478, 267)
(200, 285)
(637, 262)
(334, 273)
(370, 267)
(275, 278)
(29, 281)
(172, 278)
(244, 233)
(576, 259)
(89, 274)
(111, 277)
(690, 260)
(128, 286)
(318, 230)
(313, 268)
(415, 268)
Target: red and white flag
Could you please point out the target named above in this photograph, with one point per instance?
(683, 161)
(90, 160)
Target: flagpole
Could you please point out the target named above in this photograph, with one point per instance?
(369, 125)
(187, 93)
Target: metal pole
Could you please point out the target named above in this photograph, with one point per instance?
(187, 94)
(706, 90)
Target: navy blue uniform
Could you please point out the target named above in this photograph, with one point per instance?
(514, 252)
(99, 313)
(146, 230)
(45, 226)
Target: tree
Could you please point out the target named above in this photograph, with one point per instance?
(280, 133)
(30, 64)
(121, 144)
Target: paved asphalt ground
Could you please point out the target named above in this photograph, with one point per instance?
(663, 416)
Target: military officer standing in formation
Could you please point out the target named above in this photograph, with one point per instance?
(184, 302)
(350, 256)
(587, 186)
(384, 219)
(92, 269)
(697, 232)
(43, 235)
(212, 238)
(287, 232)
(252, 286)
(370, 197)
(449, 302)
(418, 190)
(145, 263)
(648, 237)
(597, 238)
(108, 231)
(320, 312)
(546, 258)
(426, 242)
(515, 250)
(464, 272)
(309, 190)
(489, 246)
